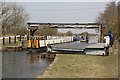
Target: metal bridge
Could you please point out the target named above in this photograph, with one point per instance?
(71, 25)
(64, 46)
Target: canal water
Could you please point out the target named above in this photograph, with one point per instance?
(23, 64)
(91, 40)
(26, 65)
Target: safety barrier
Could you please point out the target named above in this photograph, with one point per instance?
(14, 39)
(43, 43)
(10, 39)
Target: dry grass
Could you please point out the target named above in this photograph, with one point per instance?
(83, 66)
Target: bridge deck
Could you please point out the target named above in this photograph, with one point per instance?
(73, 45)
(97, 45)
(77, 46)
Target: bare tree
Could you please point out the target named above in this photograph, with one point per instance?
(13, 16)
(109, 18)
(46, 30)
(119, 18)
(0, 19)
(69, 33)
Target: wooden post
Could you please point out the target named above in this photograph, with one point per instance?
(29, 43)
(20, 37)
(15, 39)
(101, 34)
(9, 40)
(27, 37)
(3, 41)
(39, 43)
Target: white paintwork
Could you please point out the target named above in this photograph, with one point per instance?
(107, 41)
(50, 39)
(54, 40)
(96, 53)
(34, 25)
(96, 45)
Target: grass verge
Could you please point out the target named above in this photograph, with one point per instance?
(83, 66)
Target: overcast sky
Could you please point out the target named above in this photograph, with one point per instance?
(63, 11)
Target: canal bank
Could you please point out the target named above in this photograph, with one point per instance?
(45, 72)
(13, 47)
(82, 66)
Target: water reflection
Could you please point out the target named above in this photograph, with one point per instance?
(33, 58)
(23, 64)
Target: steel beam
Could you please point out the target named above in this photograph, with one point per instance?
(65, 23)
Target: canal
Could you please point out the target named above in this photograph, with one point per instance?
(26, 65)
(23, 64)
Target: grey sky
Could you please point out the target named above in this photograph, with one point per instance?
(63, 11)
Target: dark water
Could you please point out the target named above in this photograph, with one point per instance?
(23, 64)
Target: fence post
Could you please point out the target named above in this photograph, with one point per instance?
(20, 37)
(38, 44)
(27, 37)
(3, 41)
(15, 39)
(9, 40)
